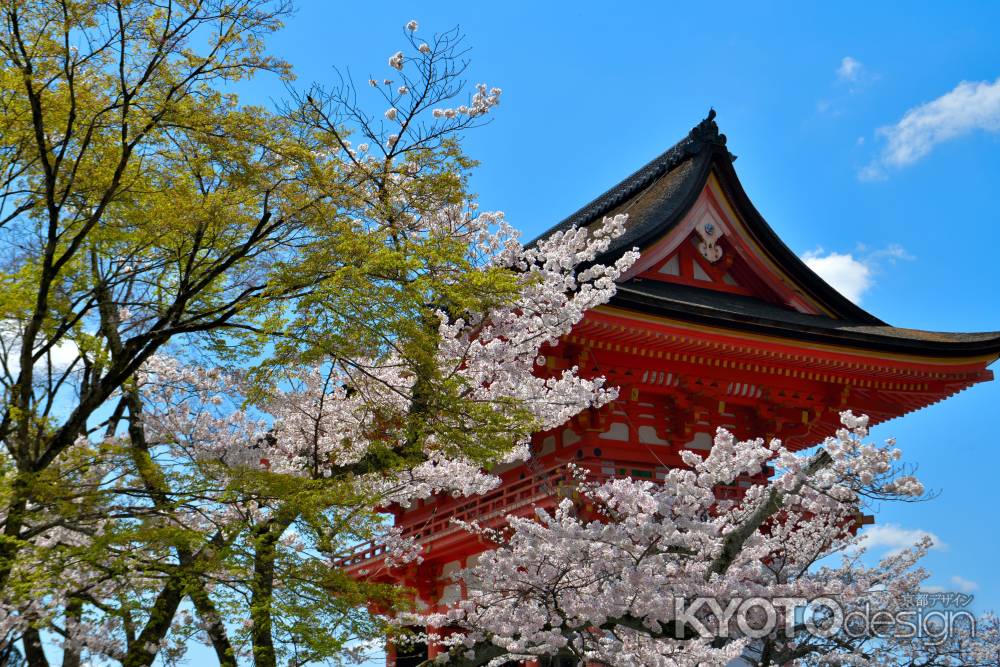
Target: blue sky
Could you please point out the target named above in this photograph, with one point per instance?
(856, 137)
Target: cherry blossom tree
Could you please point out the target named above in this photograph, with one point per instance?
(665, 573)
(301, 472)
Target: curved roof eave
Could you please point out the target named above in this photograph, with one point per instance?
(784, 257)
(656, 205)
(733, 312)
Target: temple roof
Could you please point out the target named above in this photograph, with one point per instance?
(750, 314)
(659, 195)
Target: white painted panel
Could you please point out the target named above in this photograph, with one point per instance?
(618, 431)
(700, 441)
(647, 435)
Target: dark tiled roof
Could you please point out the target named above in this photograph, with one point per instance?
(681, 166)
(748, 313)
(657, 196)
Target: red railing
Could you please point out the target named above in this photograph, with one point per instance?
(490, 509)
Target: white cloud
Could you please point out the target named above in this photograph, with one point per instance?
(891, 252)
(872, 173)
(852, 77)
(895, 539)
(970, 106)
(963, 584)
(62, 354)
(853, 274)
(845, 273)
(850, 69)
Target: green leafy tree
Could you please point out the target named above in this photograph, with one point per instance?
(371, 335)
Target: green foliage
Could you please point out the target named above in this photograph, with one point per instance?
(143, 208)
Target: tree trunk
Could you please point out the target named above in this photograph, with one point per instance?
(262, 597)
(10, 544)
(216, 629)
(74, 610)
(266, 537)
(34, 654)
(142, 652)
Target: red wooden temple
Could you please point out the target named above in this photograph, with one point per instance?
(718, 324)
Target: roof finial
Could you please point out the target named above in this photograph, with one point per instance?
(706, 133)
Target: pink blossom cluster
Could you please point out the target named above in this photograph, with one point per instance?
(604, 585)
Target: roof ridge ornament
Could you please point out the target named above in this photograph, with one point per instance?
(708, 130)
(710, 233)
(706, 135)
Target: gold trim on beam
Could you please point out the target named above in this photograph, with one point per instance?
(851, 351)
